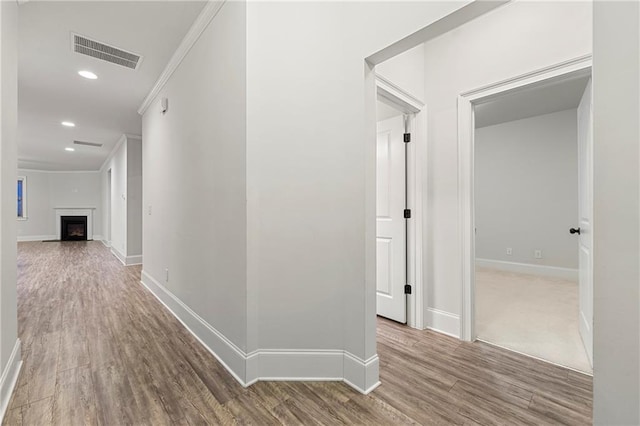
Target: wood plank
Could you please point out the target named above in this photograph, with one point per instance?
(38, 412)
(13, 417)
(559, 412)
(41, 365)
(74, 402)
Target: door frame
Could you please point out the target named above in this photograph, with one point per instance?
(388, 92)
(466, 157)
(108, 209)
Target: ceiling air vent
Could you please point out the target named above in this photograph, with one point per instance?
(97, 145)
(105, 52)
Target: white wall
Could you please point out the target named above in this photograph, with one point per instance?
(311, 173)
(118, 167)
(48, 190)
(9, 343)
(526, 190)
(298, 264)
(616, 108)
(125, 199)
(194, 180)
(134, 197)
(406, 71)
(509, 41)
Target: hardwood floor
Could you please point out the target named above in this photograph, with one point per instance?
(98, 348)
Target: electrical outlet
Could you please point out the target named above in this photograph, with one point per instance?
(166, 274)
(149, 210)
(509, 251)
(537, 254)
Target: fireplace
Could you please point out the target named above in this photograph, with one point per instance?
(73, 228)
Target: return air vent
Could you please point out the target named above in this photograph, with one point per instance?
(97, 145)
(104, 52)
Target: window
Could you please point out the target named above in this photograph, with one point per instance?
(22, 197)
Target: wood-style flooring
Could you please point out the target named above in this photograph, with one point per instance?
(98, 348)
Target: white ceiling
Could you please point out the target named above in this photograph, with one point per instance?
(50, 89)
(546, 99)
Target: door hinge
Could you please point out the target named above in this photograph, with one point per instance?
(407, 289)
(407, 213)
(407, 137)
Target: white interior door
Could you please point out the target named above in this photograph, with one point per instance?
(585, 175)
(390, 204)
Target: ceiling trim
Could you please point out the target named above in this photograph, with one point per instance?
(57, 171)
(209, 12)
(121, 140)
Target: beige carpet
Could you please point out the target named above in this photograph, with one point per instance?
(534, 315)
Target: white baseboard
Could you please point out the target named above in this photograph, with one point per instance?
(121, 257)
(270, 364)
(526, 268)
(443, 322)
(126, 260)
(106, 243)
(133, 260)
(314, 366)
(225, 351)
(362, 375)
(26, 238)
(310, 365)
(97, 237)
(9, 378)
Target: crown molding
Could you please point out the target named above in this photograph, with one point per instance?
(56, 171)
(121, 140)
(209, 12)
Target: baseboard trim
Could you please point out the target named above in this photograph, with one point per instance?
(10, 378)
(225, 351)
(270, 364)
(126, 260)
(313, 365)
(28, 238)
(362, 375)
(121, 257)
(294, 365)
(526, 268)
(106, 243)
(443, 322)
(133, 260)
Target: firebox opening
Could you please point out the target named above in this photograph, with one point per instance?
(73, 228)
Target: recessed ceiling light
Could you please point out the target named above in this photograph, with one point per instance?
(69, 149)
(68, 124)
(88, 74)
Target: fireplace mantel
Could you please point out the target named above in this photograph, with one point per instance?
(74, 211)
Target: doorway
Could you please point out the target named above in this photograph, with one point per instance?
(527, 214)
(107, 210)
(398, 204)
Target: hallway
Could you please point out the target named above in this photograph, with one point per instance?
(98, 348)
